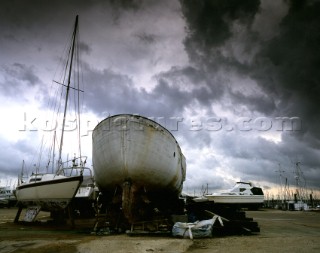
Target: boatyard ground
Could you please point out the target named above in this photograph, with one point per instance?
(281, 231)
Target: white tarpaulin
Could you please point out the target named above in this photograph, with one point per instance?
(197, 229)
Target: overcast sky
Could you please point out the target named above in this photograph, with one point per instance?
(236, 82)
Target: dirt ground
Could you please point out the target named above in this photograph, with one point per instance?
(281, 231)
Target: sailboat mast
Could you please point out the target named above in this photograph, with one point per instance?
(20, 181)
(53, 150)
(68, 89)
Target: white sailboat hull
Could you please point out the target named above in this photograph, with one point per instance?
(50, 195)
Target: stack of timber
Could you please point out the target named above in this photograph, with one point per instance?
(234, 218)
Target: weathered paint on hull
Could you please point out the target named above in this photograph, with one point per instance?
(136, 148)
(137, 155)
(53, 195)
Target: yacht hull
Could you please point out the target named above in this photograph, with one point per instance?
(50, 195)
(139, 159)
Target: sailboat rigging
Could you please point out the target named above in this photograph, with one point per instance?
(54, 191)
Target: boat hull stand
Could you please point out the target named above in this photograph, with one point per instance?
(233, 216)
(131, 205)
(54, 196)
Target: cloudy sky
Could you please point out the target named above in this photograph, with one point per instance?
(236, 82)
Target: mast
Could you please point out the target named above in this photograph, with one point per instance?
(300, 189)
(53, 150)
(281, 193)
(20, 181)
(68, 89)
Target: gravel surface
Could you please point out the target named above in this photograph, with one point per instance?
(281, 231)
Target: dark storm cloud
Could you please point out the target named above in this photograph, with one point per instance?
(258, 159)
(109, 91)
(246, 57)
(126, 4)
(28, 15)
(256, 102)
(209, 29)
(23, 73)
(293, 56)
(175, 90)
(35, 15)
(85, 48)
(297, 150)
(224, 41)
(146, 38)
(287, 66)
(114, 93)
(169, 97)
(18, 78)
(187, 85)
(10, 152)
(208, 21)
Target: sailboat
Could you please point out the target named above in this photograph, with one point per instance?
(54, 191)
(300, 196)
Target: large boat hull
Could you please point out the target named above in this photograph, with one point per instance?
(50, 195)
(134, 154)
